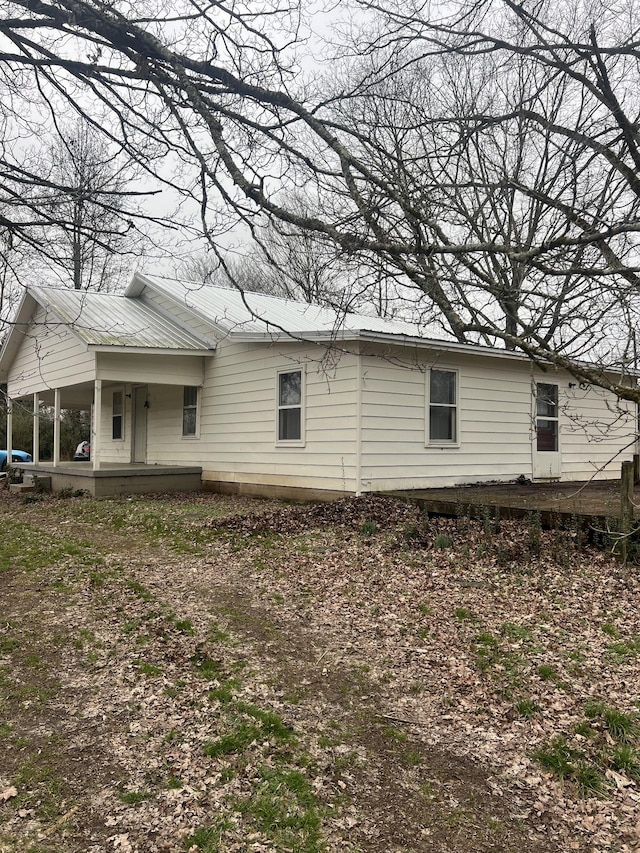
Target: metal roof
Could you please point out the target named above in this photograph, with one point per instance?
(108, 320)
(241, 312)
(253, 316)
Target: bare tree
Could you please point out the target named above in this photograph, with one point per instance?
(472, 183)
(534, 245)
(97, 237)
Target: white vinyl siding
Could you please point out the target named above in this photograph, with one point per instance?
(596, 432)
(237, 415)
(115, 450)
(50, 356)
(143, 368)
(493, 411)
(496, 429)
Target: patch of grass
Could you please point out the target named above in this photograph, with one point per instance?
(625, 759)
(271, 723)
(547, 672)
(412, 758)
(514, 631)
(462, 614)
(140, 590)
(610, 742)
(589, 780)
(368, 527)
(527, 708)
(206, 666)
(622, 727)
(132, 798)
(284, 808)
(559, 758)
(486, 639)
(490, 656)
(208, 839)
(626, 648)
(185, 626)
(610, 630)
(235, 741)
(585, 729)
(394, 734)
(24, 546)
(594, 708)
(39, 785)
(443, 542)
(217, 634)
(145, 668)
(225, 691)
(261, 726)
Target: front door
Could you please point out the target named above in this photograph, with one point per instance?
(140, 405)
(547, 463)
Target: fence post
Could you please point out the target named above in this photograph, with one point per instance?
(636, 468)
(626, 502)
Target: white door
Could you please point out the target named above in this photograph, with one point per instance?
(547, 462)
(140, 405)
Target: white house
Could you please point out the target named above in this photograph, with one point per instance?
(191, 384)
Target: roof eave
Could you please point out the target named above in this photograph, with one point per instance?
(149, 349)
(376, 337)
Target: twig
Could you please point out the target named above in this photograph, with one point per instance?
(399, 719)
(65, 817)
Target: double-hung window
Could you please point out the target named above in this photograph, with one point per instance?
(189, 410)
(443, 406)
(290, 406)
(117, 413)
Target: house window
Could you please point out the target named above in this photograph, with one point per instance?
(117, 409)
(443, 406)
(546, 417)
(189, 410)
(290, 405)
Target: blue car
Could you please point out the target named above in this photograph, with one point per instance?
(16, 456)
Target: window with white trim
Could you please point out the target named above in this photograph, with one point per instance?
(117, 415)
(443, 406)
(546, 417)
(189, 410)
(290, 405)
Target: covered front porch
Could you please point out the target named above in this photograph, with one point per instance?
(121, 462)
(133, 368)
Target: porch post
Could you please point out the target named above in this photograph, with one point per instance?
(36, 427)
(9, 430)
(56, 427)
(95, 424)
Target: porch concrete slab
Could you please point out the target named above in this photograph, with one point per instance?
(118, 479)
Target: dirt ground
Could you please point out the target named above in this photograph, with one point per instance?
(197, 673)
